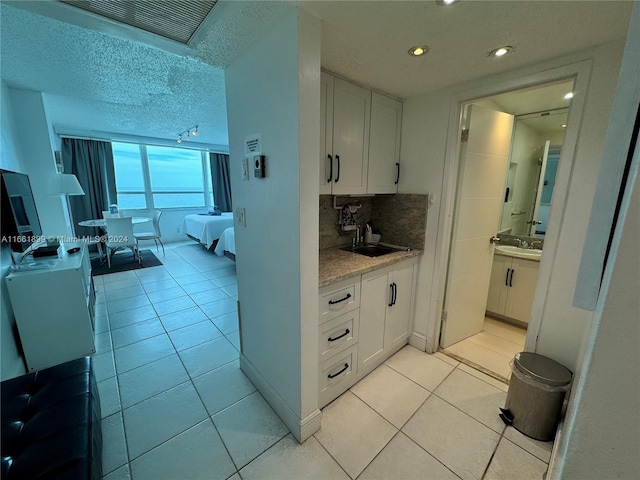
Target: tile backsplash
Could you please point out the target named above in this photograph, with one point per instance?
(401, 219)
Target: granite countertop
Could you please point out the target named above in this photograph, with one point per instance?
(336, 264)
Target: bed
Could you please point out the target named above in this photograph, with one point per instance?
(206, 229)
(227, 244)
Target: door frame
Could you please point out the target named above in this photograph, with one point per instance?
(580, 72)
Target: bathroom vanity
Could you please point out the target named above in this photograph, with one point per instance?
(514, 276)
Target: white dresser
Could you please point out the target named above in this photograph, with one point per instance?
(53, 303)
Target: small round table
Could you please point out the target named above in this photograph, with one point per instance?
(102, 223)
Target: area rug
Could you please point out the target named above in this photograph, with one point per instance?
(124, 261)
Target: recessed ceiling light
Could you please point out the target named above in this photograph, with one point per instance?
(418, 50)
(568, 96)
(564, 125)
(446, 2)
(500, 52)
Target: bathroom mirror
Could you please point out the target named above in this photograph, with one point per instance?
(535, 152)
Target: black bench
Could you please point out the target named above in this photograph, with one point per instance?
(51, 424)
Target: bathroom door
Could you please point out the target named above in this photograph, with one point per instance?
(483, 166)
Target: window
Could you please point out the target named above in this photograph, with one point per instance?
(161, 177)
(129, 177)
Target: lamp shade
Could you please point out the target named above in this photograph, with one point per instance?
(65, 184)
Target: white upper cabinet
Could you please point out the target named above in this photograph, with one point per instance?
(351, 113)
(359, 139)
(326, 133)
(384, 145)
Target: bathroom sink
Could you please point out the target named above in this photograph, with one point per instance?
(520, 252)
(371, 250)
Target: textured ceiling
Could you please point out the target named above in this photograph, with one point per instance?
(100, 75)
(101, 81)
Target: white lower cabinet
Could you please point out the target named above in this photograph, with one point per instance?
(377, 324)
(385, 312)
(512, 287)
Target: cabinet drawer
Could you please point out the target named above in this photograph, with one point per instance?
(337, 374)
(338, 334)
(339, 298)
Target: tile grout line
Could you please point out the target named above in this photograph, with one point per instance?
(399, 431)
(116, 376)
(332, 457)
(191, 381)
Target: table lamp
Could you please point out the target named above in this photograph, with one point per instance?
(66, 184)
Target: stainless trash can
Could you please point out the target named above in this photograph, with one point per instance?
(537, 389)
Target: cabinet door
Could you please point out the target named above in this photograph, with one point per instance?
(498, 284)
(375, 297)
(351, 115)
(326, 133)
(384, 145)
(397, 324)
(523, 287)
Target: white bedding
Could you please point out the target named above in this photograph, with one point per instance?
(227, 242)
(206, 228)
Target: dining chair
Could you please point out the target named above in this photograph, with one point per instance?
(155, 235)
(107, 214)
(120, 235)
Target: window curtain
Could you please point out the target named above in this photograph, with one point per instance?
(91, 161)
(221, 181)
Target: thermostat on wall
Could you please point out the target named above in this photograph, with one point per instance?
(258, 166)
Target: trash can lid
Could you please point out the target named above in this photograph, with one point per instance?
(542, 369)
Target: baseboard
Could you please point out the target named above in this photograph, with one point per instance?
(418, 341)
(300, 428)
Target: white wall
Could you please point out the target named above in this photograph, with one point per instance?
(600, 437)
(424, 143)
(33, 133)
(273, 90)
(603, 440)
(11, 361)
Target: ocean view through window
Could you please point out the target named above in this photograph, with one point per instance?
(149, 176)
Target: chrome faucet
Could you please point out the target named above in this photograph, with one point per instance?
(356, 240)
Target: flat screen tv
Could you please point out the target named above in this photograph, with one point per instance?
(20, 223)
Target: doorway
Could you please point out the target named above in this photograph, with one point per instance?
(490, 287)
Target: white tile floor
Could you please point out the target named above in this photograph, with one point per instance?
(176, 405)
(492, 349)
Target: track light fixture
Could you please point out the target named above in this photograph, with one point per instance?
(189, 132)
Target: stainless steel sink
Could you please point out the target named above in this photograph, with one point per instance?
(371, 250)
